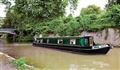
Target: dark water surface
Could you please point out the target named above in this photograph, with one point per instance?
(51, 59)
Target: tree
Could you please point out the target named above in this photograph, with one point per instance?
(88, 16)
(1, 21)
(112, 2)
(35, 16)
(91, 9)
(37, 10)
(114, 14)
(42, 9)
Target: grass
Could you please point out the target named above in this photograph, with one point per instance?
(19, 63)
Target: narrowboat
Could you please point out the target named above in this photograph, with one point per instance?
(78, 44)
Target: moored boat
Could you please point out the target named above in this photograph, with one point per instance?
(78, 44)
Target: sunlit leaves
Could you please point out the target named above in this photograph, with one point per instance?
(91, 9)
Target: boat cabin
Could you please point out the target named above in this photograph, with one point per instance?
(86, 41)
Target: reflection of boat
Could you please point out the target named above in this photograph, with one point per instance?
(78, 44)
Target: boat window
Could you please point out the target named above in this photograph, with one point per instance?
(60, 41)
(41, 41)
(72, 41)
(37, 41)
(47, 40)
(86, 42)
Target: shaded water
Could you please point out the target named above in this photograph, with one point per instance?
(51, 59)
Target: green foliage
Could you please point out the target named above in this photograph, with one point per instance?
(39, 9)
(32, 17)
(1, 21)
(114, 13)
(91, 9)
(109, 17)
(19, 63)
(42, 9)
(36, 16)
(88, 17)
(64, 26)
(113, 2)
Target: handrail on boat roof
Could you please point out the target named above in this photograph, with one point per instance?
(66, 37)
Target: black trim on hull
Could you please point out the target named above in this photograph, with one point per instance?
(87, 50)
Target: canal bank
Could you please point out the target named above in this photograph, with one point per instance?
(51, 59)
(6, 63)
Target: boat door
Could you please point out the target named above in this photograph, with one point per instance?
(84, 42)
(91, 42)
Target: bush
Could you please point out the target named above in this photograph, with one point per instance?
(19, 63)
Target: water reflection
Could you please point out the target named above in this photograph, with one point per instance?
(73, 67)
(89, 65)
(51, 59)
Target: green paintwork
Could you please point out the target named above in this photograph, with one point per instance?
(82, 41)
(44, 40)
(77, 42)
(53, 40)
(66, 40)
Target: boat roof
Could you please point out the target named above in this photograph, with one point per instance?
(66, 37)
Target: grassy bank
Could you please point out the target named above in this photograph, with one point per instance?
(10, 63)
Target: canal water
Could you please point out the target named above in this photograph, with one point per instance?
(52, 59)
